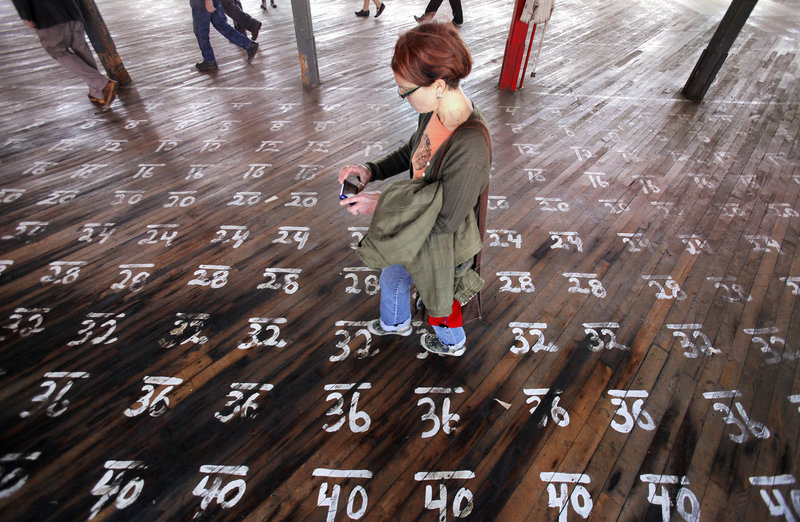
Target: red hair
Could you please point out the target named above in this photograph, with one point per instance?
(431, 51)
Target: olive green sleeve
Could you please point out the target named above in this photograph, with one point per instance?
(465, 174)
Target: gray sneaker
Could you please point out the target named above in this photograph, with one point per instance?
(432, 344)
(375, 327)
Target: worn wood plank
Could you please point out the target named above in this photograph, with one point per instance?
(602, 174)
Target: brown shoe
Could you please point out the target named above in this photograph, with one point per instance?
(109, 92)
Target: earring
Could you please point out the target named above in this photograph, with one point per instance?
(439, 96)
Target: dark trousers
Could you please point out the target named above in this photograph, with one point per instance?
(455, 5)
(233, 8)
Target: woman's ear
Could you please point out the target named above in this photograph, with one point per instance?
(440, 85)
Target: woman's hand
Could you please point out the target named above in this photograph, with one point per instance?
(210, 6)
(361, 203)
(360, 171)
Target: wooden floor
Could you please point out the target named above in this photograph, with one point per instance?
(182, 314)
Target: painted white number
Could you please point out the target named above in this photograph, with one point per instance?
(371, 280)
(511, 237)
(637, 415)
(289, 284)
(579, 499)
(88, 232)
(300, 236)
(108, 322)
(358, 234)
(302, 199)
(358, 495)
(536, 330)
(110, 485)
(34, 317)
(603, 336)
(793, 283)
(685, 503)
(53, 383)
(266, 326)
(634, 241)
(682, 332)
(245, 408)
(498, 203)
(350, 331)
(774, 498)
(217, 279)
(156, 403)
(226, 495)
(239, 235)
(168, 233)
(769, 343)
(595, 285)
(746, 426)
(446, 421)
(64, 272)
(256, 170)
(358, 421)
(558, 204)
(523, 278)
(734, 293)
(133, 277)
(13, 472)
(245, 199)
(557, 413)
(669, 290)
(187, 329)
(130, 197)
(565, 239)
(463, 501)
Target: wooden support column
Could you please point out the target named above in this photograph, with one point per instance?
(102, 42)
(306, 46)
(714, 55)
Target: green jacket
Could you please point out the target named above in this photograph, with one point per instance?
(464, 170)
(400, 234)
(429, 226)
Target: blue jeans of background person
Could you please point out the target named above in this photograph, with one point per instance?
(201, 20)
(396, 305)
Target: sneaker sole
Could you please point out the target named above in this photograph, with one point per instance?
(402, 333)
(456, 353)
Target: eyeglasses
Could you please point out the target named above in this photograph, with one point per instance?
(404, 95)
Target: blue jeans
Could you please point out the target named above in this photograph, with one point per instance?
(201, 20)
(396, 305)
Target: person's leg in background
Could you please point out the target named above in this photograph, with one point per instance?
(430, 11)
(241, 21)
(220, 23)
(458, 15)
(67, 45)
(201, 20)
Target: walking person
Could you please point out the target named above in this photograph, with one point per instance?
(365, 9)
(424, 229)
(59, 26)
(209, 12)
(433, 6)
(242, 21)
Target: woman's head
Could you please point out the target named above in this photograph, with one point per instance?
(429, 52)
